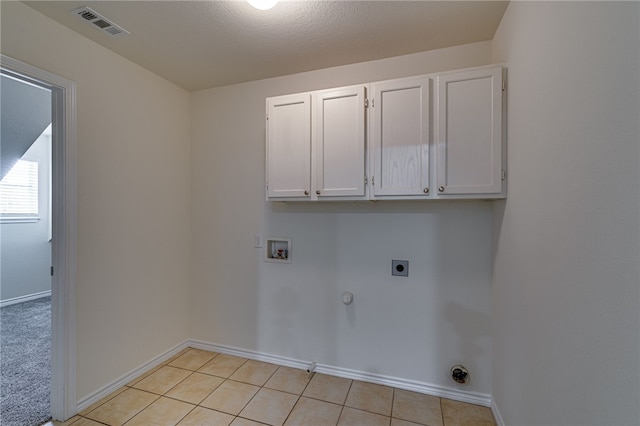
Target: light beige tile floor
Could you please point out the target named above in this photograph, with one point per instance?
(200, 388)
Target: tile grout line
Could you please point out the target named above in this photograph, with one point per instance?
(254, 395)
(393, 400)
(263, 387)
(296, 403)
(132, 386)
(312, 374)
(192, 372)
(144, 408)
(185, 416)
(344, 402)
(166, 364)
(101, 422)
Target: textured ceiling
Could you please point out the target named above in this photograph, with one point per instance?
(203, 44)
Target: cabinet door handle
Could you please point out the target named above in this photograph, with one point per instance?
(426, 190)
(318, 192)
(441, 189)
(306, 192)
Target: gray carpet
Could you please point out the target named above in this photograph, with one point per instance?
(25, 363)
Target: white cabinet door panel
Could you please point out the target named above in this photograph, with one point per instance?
(289, 146)
(469, 133)
(339, 140)
(327, 145)
(400, 137)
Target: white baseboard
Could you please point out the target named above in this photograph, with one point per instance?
(243, 353)
(26, 298)
(130, 376)
(496, 414)
(415, 386)
(411, 385)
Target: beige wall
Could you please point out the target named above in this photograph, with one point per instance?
(414, 328)
(566, 301)
(133, 197)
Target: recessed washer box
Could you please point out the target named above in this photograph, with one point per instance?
(400, 268)
(277, 250)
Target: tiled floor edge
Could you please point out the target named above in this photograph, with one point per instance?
(477, 398)
(496, 414)
(123, 380)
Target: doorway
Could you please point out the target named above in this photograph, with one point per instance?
(63, 229)
(25, 252)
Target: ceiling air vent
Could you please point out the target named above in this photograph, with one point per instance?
(94, 18)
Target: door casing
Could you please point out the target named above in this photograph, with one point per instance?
(64, 231)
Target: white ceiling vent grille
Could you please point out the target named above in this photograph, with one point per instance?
(94, 18)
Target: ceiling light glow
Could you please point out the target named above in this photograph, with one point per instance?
(262, 4)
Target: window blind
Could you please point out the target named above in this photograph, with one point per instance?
(19, 190)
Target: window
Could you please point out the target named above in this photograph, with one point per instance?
(19, 192)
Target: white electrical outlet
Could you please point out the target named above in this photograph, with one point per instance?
(258, 241)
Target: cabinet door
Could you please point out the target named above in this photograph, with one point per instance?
(339, 140)
(400, 137)
(289, 146)
(469, 132)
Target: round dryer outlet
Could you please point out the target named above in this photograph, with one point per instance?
(460, 374)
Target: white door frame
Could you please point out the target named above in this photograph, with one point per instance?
(64, 229)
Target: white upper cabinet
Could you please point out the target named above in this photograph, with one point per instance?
(468, 136)
(399, 134)
(390, 140)
(289, 146)
(339, 142)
